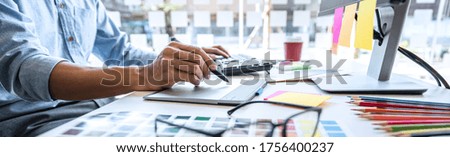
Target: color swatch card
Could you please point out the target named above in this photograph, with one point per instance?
(298, 98)
(137, 124)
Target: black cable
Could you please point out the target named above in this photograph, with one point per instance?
(421, 64)
(438, 77)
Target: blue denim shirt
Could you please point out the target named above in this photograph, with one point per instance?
(35, 35)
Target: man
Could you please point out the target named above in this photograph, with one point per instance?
(44, 47)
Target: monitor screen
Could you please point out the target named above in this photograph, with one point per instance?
(327, 6)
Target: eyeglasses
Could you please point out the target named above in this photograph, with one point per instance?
(306, 121)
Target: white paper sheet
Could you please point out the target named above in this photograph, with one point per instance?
(302, 1)
(225, 19)
(253, 19)
(278, 18)
(205, 40)
(302, 18)
(179, 19)
(160, 41)
(156, 19)
(115, 17)
(139, 40)
(202, 19)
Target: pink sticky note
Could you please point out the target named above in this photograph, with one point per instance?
(338, 14)
(274, 95)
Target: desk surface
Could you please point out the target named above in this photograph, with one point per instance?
(334, 109)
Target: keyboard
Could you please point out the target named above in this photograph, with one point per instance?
(242, 64)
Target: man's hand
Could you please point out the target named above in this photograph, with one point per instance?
(216, 50)
(177, 63)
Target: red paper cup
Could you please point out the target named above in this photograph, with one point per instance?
(293, 50)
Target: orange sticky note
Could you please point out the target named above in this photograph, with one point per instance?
(347, 25)
(364, 25)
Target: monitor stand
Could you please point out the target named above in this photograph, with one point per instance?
(363, 84)
(378, 79)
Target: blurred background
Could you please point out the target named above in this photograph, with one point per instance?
(251, 25)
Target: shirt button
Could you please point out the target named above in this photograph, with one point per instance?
(70, 39)
(61, 5)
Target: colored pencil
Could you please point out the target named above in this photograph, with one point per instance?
(444, 132)
(380, 110)
(426, 103)
(401, 122)
(421, 131)
(402, 117)
(392, 105)
(397, 128)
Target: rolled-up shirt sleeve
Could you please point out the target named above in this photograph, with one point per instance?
(112, 46)
(25, 65)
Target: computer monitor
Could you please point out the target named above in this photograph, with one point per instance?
(378, 79)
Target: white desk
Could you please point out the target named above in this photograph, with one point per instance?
(334, 109)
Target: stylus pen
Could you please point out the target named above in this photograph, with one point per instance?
(220, 75)
(260, 90)
(215, 72)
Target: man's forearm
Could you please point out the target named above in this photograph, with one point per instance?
(72, 82)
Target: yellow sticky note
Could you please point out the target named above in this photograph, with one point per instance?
(300, 98)
(347, 25)
(364, 25)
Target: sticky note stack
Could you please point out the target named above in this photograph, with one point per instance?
(344, 20)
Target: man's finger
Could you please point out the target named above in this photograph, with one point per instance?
(212, 56)
(208, 60)
(197, 59)
(216, 51)
(222, 49)
(176, 53)
(188, 67)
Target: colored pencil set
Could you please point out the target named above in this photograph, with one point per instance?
(405, 118)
